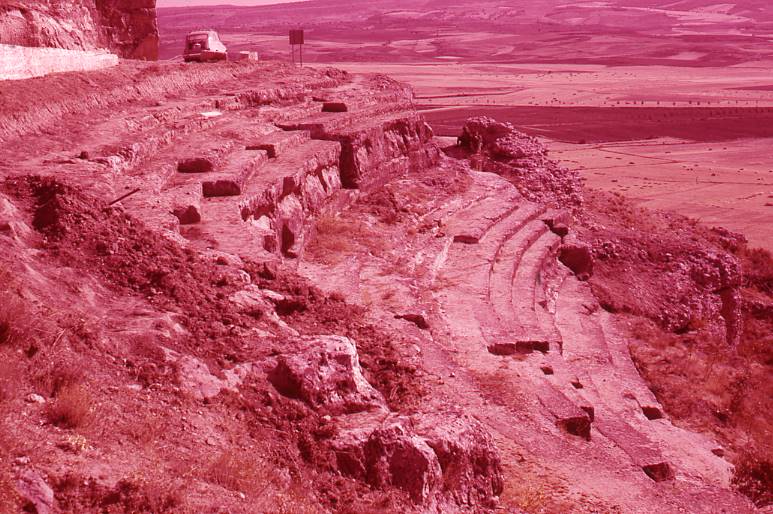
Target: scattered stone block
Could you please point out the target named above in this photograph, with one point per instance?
(246, 55)
(576, 425)
(652, 412)
(195, 165)
(34, 398)
(503, 349)
(524, 346)
(468, 239)
(590, 411)
(221, 187)
(334, 107)
(558, 222)
(570, 417)
(659, 472)
(578, 257)
(417, 319)
(186, 203)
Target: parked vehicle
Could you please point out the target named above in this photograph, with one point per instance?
(204, 46)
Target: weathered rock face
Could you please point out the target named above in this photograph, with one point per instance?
(370, 156)
(129, 27)
(499, 148)
(325, 372)
(126, 27)
(443, 461)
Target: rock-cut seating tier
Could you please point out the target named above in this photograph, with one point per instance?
(503, 295)
(376, 142)
(244, 174)
(270, 213)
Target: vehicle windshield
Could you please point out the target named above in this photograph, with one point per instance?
(198, 40)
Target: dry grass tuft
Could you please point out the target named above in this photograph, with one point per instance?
(337, 236)
(531, 494)
(240, 472)
(72, 408)
(57, 372)
(16, 327)
(142, 494)
(10, 502)
(9, 378)
(147, 430)
(294, 501)
(249, 474)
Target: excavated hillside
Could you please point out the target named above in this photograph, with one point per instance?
(250, 287)
(125, 27)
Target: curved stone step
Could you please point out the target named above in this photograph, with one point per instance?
(507, 260)
(277, 143)
(526, 281)
(472, 224)
(619, 393)
(513, 293)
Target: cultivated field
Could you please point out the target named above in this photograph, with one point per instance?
(643, 97)
(687, 139)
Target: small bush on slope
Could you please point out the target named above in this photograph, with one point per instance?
(72, 408)
(754, 478)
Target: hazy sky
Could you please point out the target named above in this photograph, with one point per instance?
(185, 3)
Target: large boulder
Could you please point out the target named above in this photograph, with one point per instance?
(499, 148)
(499, 140)
(443, 461)
(36, 494)
(394, 455)
(472, 474)
(325, 372)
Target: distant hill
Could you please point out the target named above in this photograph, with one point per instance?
(696, 32)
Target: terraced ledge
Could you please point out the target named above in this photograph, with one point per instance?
(374, 148)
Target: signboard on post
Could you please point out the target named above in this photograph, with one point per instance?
(297, 39)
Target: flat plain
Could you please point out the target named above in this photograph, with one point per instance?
(670, 104)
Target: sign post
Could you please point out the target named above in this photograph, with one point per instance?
(297, 39)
